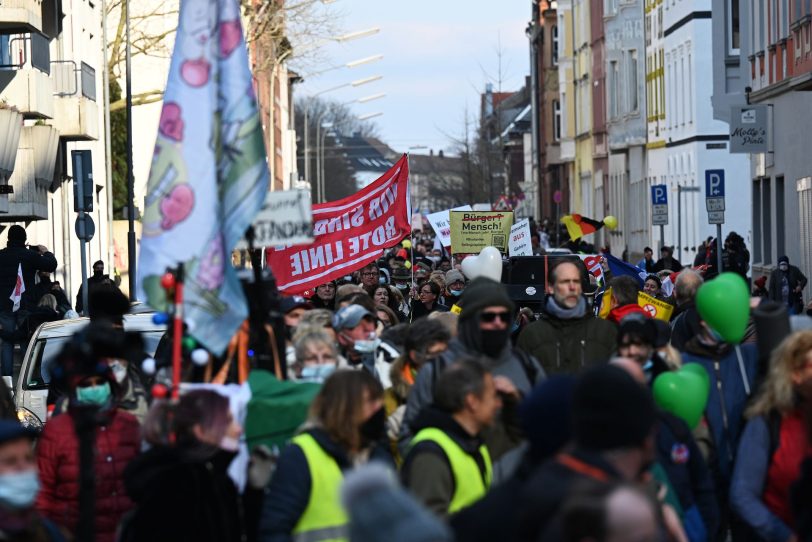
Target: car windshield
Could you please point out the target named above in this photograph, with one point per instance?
(46, 351)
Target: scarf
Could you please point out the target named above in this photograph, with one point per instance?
(562, 313)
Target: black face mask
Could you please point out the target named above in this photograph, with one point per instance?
(494, 341)
(97, 273)
(374, 429)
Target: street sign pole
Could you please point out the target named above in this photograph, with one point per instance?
(78, 185)
(719, 248)
(715, 205)
(659, 211)
(662, 239)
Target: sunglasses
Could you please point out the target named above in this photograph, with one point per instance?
(489, 317)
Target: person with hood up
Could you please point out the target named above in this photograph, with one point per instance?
(92, 388)
(483, 332)
(567, 338)
(14, 258)
(448, 466)
(786, 286)
(181, 485)
(732, 370)
(346, 429)
(667, 261)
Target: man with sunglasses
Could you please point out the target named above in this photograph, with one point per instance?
(484, 332)
(567, 337)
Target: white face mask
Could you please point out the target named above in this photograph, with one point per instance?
(119, 371)
(19, 489)
(229, 444)
(368, 346)
(317, 373)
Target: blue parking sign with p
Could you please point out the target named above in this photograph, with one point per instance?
(659, 194)
(714, 183)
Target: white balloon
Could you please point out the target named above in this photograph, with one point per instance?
(200, 356)
(148, 366)
(488, 264)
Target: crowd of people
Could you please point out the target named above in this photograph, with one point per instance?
(442, 410)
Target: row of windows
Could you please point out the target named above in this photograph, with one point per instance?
(623, 101)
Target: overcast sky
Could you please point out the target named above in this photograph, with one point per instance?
(438, 55)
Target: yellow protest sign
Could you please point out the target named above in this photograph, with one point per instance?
(656, 308)
(471, 231)
(606, 304)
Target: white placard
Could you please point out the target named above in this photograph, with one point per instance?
(441, 223)
(286, 218)
(520, 243)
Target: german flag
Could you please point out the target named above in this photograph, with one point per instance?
(578, 226)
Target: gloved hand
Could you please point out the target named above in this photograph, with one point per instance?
(260, 467)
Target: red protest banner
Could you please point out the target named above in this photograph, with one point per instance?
(348, 234)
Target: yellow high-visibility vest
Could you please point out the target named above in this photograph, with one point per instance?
(469, 483)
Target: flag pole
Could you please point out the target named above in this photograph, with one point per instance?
(177, 331)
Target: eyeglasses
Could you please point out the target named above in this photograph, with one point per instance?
(426, 292)
(489, 317)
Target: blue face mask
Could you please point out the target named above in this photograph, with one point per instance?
(317, 373)
(94, 395)
(19, 489)
(455, 293)
(715, 334)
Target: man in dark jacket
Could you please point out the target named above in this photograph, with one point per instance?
(786, 286)
(94, 280)
(613, 423)
(448, 467)
(667, 261)
(567, 338)
(483, 332)
(13, 258)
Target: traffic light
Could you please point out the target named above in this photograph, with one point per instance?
(83, 173)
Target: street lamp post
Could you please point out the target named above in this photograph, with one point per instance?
(356, 83)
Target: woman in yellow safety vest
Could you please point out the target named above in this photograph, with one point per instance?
(346, 429)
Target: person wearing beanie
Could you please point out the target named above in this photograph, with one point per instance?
(483, 332)
(454, 285)
(613, 422)
(19, 485)
(84, 372)
(16, 258)
(567, 338)
(380, 511)
(545, 417)
(786, 286)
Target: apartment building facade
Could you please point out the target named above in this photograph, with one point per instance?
(51, 91)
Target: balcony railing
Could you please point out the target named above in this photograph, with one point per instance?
(20, 51)
(71, 79)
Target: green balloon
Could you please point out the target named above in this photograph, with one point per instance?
(189, 343)
(724, 304)
(699, 370)
(682, 393)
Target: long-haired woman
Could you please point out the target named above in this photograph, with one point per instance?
(347, 428)
(774, 442)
